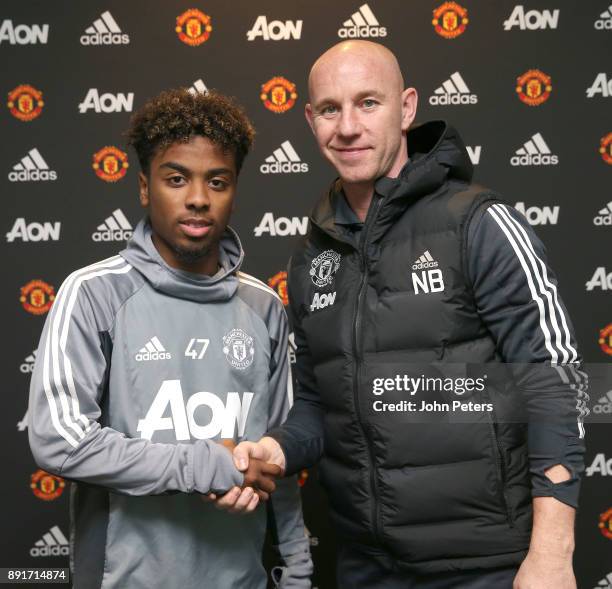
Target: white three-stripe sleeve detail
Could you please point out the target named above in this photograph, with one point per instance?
(51, 360)
(581, 396)
(65, 293)
(64, 335)
(51, 399)
(553, 288)
(523, 241)
(46, 379)
(534, 294)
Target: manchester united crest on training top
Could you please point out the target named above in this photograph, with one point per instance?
(323, 268)
(238, 349)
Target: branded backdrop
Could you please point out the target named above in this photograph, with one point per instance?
(529, 87)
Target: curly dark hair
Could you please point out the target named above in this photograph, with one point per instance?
(177, 115)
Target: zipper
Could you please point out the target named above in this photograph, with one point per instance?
(501, 473)
(358, 352)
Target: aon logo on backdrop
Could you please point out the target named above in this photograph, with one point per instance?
(532, 20)
(600, 466)
(281, 226)
(227, 420)
(107, 102)
(47, 231)
(275, 30)
(539, 215)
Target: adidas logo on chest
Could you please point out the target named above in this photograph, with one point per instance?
(426, 276)
(151, 351)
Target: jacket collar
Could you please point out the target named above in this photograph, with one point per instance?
(436, 154)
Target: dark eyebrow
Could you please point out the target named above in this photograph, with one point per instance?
(174, 166)
(187, 172)
(217, 171)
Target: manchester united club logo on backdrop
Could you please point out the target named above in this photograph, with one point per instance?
(450, 20)
(323, 268)
(606, 148)
(605, 339)
(46, 486)
(193, 27)
(110, 164)
(605, 523)
(279, 283)
(533, 87)
(278, 94)
(25, 102)
(37, 297)
(238, 349)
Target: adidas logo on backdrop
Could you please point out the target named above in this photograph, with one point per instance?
(283, 160)
(453, 91)
(104, 31)
(115, 228)
(362, 25)
(32, 168)
(534, 152)
(605, 216)
(604, 21)
(152, 350)
(28, 364)
(604, 404)
(198, 87)
(53, 543)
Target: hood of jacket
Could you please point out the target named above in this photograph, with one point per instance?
(436, 155)
(143, 255)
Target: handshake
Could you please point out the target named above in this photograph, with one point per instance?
(261, 462)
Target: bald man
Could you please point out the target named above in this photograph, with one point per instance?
(413, 298)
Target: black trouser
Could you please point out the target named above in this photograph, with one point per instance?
(363, 567)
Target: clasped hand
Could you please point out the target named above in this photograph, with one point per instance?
(260, 473)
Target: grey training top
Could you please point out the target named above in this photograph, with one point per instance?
(142, 370)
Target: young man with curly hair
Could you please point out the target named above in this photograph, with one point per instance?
(154, 362)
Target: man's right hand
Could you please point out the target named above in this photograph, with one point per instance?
(246, 456)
